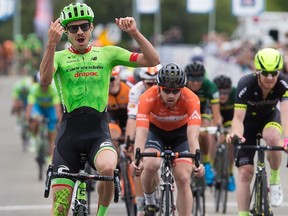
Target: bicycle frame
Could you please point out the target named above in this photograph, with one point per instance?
(167, 205)
(261, 204)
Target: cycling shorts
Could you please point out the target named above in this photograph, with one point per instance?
(159, 139)
(251, 128)
(46, 112)
(84, 130)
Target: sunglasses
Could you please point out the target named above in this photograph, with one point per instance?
(266, 73)
(74, 28)
(168, 91)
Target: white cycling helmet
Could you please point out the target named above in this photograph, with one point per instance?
(149, 73)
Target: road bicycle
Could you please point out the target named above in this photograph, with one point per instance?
(80, 204)
(198, 186)
(259, 199)
(221, 169)
(128, 191)
(42, 145)
(24, 131)
(167, 205)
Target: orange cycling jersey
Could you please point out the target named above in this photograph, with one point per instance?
(152, 109)
(120, 100)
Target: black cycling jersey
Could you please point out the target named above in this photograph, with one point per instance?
(249, 96)
(260, 112)
(227, 108)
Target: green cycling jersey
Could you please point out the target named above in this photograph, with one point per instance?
(83, 79)
(44, 98)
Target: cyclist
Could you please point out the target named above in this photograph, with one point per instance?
(227, 94)
(118, 101)
(43, 101)
(168, 117)
(256, 111)
(210, 108)
(148, 79)
(82, 75)
(19, 95)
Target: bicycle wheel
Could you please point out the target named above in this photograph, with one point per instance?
(265, 198)
(221, 179)
(129, 196)
(198, 188)
(80, 211)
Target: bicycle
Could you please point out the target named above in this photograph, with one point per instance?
(127, 179)
(80, 204)
(221, 169)
(197, 186)
(42, 144)
(260, 192)
(167, 205)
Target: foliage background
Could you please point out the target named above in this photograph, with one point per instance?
(173, 13)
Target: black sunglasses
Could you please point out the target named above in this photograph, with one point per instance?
(74, 28)
(266, 73)
(168, 91)
(112, 79)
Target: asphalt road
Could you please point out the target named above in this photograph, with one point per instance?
(21, 193)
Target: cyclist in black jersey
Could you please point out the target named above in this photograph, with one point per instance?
(82, 75)
(256, 111)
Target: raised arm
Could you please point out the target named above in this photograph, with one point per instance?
(149, 56)
(47, 64)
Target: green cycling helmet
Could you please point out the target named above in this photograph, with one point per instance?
(268, 59)
(76, 11)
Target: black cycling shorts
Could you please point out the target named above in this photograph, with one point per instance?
(82, 131)
(251, 128)
(176, 140)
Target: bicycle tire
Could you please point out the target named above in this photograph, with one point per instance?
(40, 160)
(198, 189)
(129, 198)
(81, 211)
(265, 198)
(167, 200)
(221, 179)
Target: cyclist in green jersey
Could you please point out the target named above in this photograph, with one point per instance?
(210, 111)
(43, 101)
(82, 75)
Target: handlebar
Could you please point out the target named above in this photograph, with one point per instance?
(168, 154)
(239, 145)
(82, 177)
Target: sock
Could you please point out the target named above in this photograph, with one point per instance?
(243, 213)
(206, 158)
(150, 199)
(274, 176)
(102, 210)
(140, 203)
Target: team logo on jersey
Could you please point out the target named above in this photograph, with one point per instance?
(62, 169)
(93, 58)
(105, 144)
(195, 115)
(86, 74)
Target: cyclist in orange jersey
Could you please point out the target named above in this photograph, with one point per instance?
(168, 117)
(118, 101)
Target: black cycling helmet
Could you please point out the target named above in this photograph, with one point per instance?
(171, 76)
(195, 69)
(223, 82)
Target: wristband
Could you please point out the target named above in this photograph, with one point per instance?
(285, 143)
